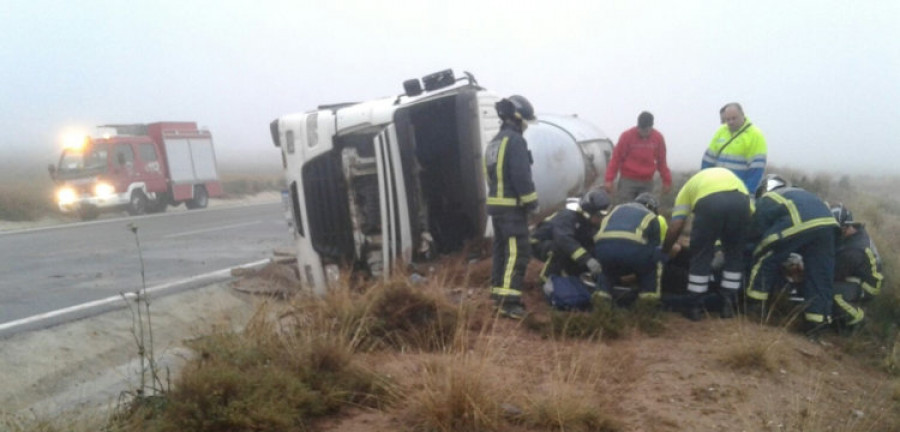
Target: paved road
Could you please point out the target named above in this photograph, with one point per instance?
(48, 269)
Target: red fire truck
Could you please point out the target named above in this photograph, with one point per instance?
(141, 168)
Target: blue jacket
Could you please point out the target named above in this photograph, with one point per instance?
(633, 222)
(786, 212)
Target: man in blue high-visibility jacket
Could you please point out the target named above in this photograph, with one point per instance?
(787, 220)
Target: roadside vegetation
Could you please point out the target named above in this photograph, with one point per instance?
(426, 353)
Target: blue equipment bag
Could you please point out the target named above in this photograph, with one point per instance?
(568, 293)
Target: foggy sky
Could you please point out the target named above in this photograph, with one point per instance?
(820, 78)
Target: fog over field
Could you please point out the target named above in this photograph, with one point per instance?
(818, 77)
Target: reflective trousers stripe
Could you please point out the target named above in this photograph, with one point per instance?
(856, 314)
(698, 283)
(510, 262)
(731, 280)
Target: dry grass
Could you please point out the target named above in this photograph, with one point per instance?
(602, 322)
(237, 185)
(25, 201)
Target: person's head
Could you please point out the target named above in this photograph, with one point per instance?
(722, 114)
(647, 199)
(844, 218)
(645, 124)
(770, 183)
(515, 109)
(733, 116)
(596, 204)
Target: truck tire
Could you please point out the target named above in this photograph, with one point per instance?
(158, 205)
(201, 199)
(138, 203)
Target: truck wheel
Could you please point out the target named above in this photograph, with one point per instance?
(201, 199)
(138, 203)
(159, 204)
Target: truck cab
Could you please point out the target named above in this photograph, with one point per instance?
(400, 179)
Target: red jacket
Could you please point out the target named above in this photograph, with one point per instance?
(639, 158)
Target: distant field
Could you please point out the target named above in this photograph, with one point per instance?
(26, 191)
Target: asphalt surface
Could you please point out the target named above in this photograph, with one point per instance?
(49, 269)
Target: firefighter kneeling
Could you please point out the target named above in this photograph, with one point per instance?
(857, 271)
(563, 240)
(629, 242)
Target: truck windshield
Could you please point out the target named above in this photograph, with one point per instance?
(90, 160)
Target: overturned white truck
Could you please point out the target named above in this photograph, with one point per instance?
(400, 179)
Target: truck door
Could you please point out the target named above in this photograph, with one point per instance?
(149, 168)
(123, 166)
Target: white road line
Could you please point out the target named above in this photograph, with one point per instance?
(223, 227)
(128, 295)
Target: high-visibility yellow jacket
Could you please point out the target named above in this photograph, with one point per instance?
(705, 182)
(743, 152)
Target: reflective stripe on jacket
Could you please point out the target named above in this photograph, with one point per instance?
(570, 232)
(857, 261)
(507, 168)
(786, 212)
(745, 155)
(633, 222)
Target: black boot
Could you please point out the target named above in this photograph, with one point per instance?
(694, 311)
(728, 303)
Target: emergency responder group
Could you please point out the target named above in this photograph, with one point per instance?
(755, 234)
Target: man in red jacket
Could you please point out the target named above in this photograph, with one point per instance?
(640, 152)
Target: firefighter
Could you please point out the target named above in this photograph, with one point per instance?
(787, 220)
(721, 207)
(564, 239)
(511, 198)
(630, 242)
(857, 271)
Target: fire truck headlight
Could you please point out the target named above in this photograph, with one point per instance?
(104, 190)
(66, 196)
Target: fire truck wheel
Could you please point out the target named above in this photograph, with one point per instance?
(138, 203)
(201, 199)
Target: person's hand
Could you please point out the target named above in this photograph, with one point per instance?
(676, 248)
(594, 266)
(610, 188)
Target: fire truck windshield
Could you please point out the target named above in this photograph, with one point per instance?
(90, 160)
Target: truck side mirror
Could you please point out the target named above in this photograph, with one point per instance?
(52, 169)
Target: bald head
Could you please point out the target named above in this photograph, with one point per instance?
(733, 115)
